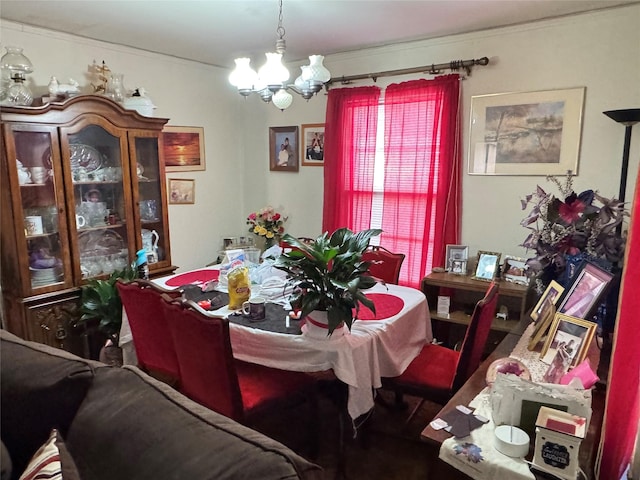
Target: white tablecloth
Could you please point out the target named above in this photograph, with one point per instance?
(372, 350)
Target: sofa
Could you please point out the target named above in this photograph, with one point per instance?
(119, 423)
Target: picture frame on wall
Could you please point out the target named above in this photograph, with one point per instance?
(456, 258)
(569, 337)
(283, 149)
(526, 133)
(583, 296)
(182, 148)
(487, 266)
(312, 145)
(182, 191)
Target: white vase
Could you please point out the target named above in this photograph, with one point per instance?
(316, 326)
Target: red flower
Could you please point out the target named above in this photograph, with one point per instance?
(276, 217)
(252, 216)
(571, 210)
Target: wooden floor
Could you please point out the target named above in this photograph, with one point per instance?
(393, 451)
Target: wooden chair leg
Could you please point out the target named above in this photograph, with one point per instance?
(415, 410)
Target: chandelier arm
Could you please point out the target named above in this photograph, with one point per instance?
(428, 69)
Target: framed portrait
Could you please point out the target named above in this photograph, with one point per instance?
(182, 191)
(545, 319)
(514, 269)
(312, 145)
(459, 254)
(582, 297)
(487, 266)
(529, 133)
(182, 148)
(550, 296)
(569, 337)
(283, 149)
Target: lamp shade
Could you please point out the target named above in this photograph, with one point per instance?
(15, 61)
(282, 99)
(628, 116)
(273, 72)
(243, 77)
(316, 72)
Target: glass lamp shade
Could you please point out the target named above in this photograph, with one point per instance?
(282, 99)
(273, 73)
(305, 89)
(316, 71)
(243, 77)
(15, 61)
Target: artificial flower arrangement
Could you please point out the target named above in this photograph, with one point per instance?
(266, 223)
(574, 224)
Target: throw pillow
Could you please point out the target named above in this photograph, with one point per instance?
(52, 461)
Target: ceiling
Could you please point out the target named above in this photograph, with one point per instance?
(217, 31)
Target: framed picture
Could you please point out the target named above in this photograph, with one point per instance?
(283, 149)
(487, 266)
(545, 319)
(568, 337)
(532, 133)
(581, 300)
(514, 270)
(182, 191)
(312, 145)
(459, 254)
(458, 267)
(182, 148)
(550, 296)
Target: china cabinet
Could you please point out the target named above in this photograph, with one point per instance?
(83, 189)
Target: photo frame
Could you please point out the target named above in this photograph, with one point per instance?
(182, 148)
(551, 295)
(312, 145)
(526, 133)
(545, 319)
(182, 191)
(283, 149)
(487, 266)
(514, 269)
(459, 254)
(571, 333)
(584, 294)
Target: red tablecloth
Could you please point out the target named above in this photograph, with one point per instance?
(386, 306)
(197, 276)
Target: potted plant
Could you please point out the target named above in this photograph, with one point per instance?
(100, 301)
(329, 275)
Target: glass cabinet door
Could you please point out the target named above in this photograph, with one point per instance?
(151, 198)
(101, 201)
(41, 204)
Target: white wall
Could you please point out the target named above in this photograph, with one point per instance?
(600, 51)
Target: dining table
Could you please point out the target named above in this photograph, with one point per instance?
(380, 344)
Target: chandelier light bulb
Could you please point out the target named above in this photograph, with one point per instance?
(282, 99)
(243, 76)
(273, 73)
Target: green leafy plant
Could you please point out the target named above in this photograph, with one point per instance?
(329, 274)
(100, 301)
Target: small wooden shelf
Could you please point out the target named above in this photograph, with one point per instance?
(461, 318)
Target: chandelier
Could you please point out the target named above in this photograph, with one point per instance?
(271, 81)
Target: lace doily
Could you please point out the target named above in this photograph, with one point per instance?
(536, 367)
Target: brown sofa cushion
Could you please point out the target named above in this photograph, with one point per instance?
(41, 388)
(148, 431)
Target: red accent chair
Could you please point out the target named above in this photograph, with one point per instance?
(386, 265)
(437, 373)
(212, 377)
(152, 340)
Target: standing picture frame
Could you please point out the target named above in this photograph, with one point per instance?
(526, 133)
(514, 269)
(583, 296)
(572, 333)
(283, 149)
(182, 191)
(551, 295)
(312, 145)
(487, 266)
(182, 148)
(456, 258)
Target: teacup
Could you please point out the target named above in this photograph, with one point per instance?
(255, 308)
(39, 174)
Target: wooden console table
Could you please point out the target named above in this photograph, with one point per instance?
(475, 384)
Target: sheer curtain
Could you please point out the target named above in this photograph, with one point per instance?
(350, 148)
(415, 195)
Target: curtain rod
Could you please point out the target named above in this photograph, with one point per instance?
(433, 69)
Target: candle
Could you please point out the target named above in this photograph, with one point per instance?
(287, 321)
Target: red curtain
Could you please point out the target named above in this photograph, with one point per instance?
(623, 394)
(421, 206)
(350, 146)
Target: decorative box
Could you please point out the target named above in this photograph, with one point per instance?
(558, 438)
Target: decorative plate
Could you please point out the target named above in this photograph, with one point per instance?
(507, 365)
(99, 243)
(85, 156)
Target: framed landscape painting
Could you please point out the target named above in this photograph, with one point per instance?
(182, 148)
(531, 133)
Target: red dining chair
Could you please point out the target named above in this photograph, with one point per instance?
(142, 301)
(385, 264)
(212, 377)
(437, 373)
